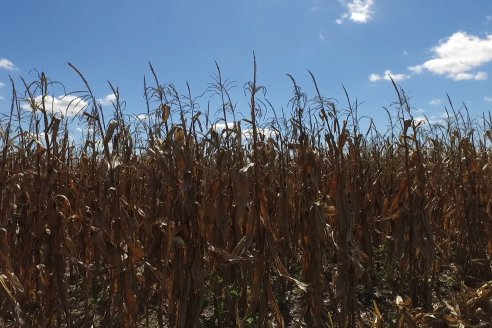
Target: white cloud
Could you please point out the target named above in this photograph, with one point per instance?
(262, 132)
(358, 11)
(405, 52)
(487, 99)
(418, 119)
(416, 69)
(7, 64)
(386, 76)
(433, 119)
(63, 105)
(375, 77)
(2, 84)
(435, 102)
(321, 37)
(458, 57)
(470, 76)
(108, 100)
(219, 127)
(142, 117)
(2, 98)
(83, 129)
(247, 134)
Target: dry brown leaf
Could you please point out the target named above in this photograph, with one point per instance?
(165, 112)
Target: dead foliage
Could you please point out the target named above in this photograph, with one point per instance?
(272, 221)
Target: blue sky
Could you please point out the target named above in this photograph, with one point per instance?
(430, 47)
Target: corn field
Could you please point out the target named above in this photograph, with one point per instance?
(309, 218)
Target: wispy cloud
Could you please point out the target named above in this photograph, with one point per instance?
(487, 99)
(108, 100)
(458, 57)
(435, 102)
(315, 6)
(2, 84)
(386, 76)
(62, 105)
(358, 11)
(321, 37)
(7, 64)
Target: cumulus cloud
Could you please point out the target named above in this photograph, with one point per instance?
(262, 133)
(386, 76)
(7, 64)
(63, 105)
(458, 57)
(358, 11)
(432, 119)
(435, 102)
(108, 100)
(219, 127)
(470, 76)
